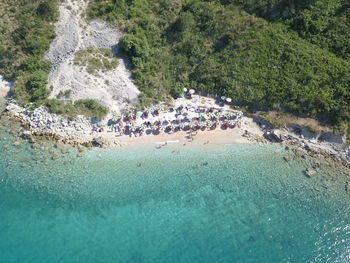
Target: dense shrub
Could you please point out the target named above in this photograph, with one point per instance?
(274, 62)
(23, 41)
(95, 59)
(89, 108)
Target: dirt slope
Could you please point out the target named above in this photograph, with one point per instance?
(113, 88)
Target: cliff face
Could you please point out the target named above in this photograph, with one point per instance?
(5, 87)
(112, 88)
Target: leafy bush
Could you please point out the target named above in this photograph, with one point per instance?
(89, 108)
(27, 30)
(216, 47)
(95, 59)
(48, 10)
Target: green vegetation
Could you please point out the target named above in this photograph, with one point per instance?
(285, 55)
(95, 59)
(88, 107)
(26, 30)
(64, 94)
(268, 54)
(25, 35)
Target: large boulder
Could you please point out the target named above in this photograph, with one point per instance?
(98, 142)
(302, 131)
(5, 87)
(2, 104)
(273, 136)
(332, 138)
(347, 186)
(309, 172)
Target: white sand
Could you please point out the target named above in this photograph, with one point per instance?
(217, 136)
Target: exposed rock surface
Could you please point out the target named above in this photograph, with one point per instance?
(40, 122)
(84, 131)
(347, 186)
(115, 88)
(5, 89)
(273, 136)
(338, 150)
(310, 172)
(331, 138)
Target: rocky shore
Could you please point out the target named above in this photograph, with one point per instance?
(40, 123)
(82, 131)
(303, 142)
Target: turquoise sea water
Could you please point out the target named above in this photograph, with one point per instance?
(178, 204)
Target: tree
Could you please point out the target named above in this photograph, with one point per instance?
(47, 10)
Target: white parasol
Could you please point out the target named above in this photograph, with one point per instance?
(191, 91)
(185, 89)
(228, 100)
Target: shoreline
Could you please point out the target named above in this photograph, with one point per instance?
(80, 133)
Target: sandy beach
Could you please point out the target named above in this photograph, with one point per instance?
(182, 138)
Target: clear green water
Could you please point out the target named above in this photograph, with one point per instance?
(207, 204)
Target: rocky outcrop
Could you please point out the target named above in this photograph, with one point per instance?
(253, 137)
(5, 90)
(113, 88)
(310, 172)
(331, 138)
(42, 123)
(302, 131)
(273, 136)
(5, 87)
(299, 137)
(99, 142)
(347, 186)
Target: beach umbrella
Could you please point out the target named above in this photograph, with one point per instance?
(191, 91)
(228, 100)
(180, 117)
(153, 119)
(184, 111)
(185, 89)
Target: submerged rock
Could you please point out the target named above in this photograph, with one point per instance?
(98, 142)
(287, 157)
(347, 186)
(310, 172)
(55, 157)
(17, 143)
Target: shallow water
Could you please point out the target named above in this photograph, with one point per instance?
(240, 203)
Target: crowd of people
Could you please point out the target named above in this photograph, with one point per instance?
(182, 118)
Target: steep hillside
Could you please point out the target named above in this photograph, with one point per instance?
(26, 32)
(215, 46)
(322, 22)
(56, 58)
(84, 65)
